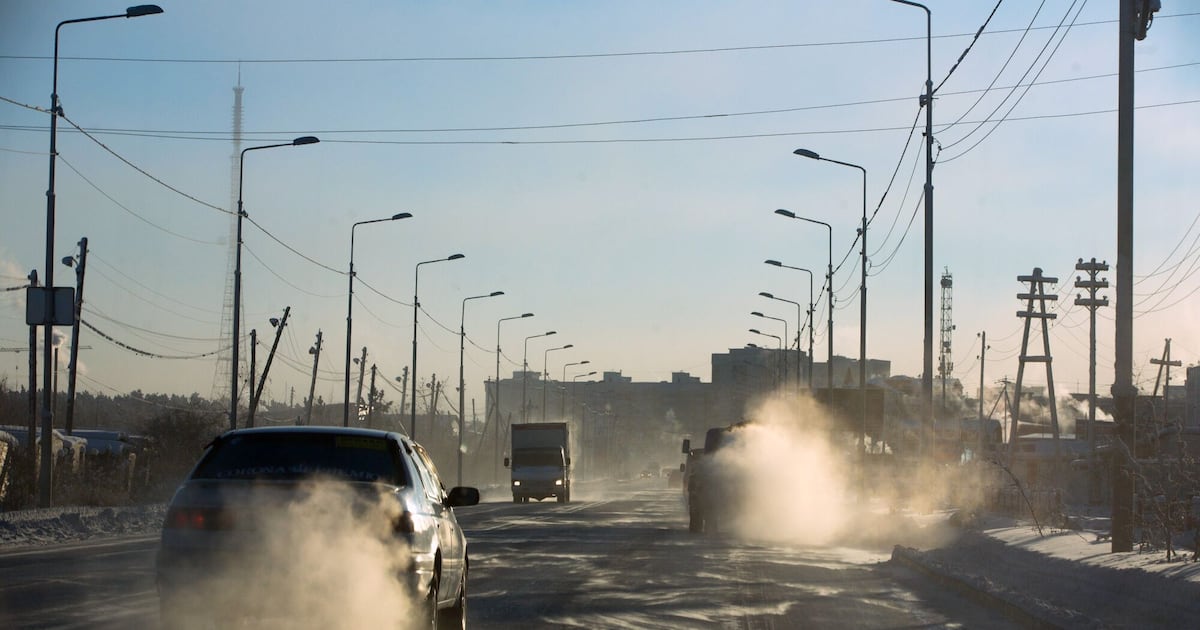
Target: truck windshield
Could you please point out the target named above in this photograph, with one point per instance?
(538, 457)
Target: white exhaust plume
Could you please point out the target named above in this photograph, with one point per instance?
(324, 556)
(795, 474)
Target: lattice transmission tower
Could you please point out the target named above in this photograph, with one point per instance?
(945, 357)
(224, 368)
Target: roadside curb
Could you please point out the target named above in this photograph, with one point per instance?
(911, 559)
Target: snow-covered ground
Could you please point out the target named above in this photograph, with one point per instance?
(67, 524)
(1064, 578)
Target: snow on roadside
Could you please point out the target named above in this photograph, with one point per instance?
(48, 526)
(1069, 578)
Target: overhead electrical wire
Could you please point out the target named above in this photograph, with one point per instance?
(127, 209)
(95, 257)
(144, 353)
(479, 58)
(970, 45)
(1017, 102)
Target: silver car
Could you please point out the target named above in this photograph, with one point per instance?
(314, 527)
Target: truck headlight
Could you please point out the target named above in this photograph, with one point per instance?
(558, 482)
(516, 483)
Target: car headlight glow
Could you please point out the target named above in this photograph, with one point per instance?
(558, 482)
(516, 483)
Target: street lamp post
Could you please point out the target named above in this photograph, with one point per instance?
(785, 337)
(462, 385)
(829, 286)
(350, 308)
(546, 374)
(47, 293)
(412, 420)
(562, 407)
(525, 374)
(798, 319)
(776, 337)
(862, 293)
(237, 273)
(496, 404)
(927, 102)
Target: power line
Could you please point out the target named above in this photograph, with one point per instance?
(544, 57)
(971, 45)
(1017, 102)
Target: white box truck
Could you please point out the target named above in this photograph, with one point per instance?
(540, 462)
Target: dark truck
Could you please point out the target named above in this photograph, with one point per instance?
(708, 485)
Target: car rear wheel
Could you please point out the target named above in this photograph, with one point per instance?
(455, 616)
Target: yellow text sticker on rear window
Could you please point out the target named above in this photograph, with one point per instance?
(361, 442)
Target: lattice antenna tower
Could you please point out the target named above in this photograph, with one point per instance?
(224, 368)
(945, 357)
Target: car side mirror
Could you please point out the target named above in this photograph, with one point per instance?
(462, 496)
(506, 462)
(687, 446)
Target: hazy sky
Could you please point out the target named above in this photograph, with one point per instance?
(613, 167)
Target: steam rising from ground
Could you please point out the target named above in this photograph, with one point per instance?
(327, 560)
(797, 481)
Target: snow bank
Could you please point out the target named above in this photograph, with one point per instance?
(49, 526)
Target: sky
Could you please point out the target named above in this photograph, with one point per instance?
(613, 167)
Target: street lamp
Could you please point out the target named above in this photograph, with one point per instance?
(462, 386)
(350, 308)
(829, 285)
(47, 293)
(412, 421)
(776, 337)
(785, 337)
(574, 380)
(862, 292)
(562, 407)
(525, 373)
(546, 374)
(496, 404)
(799, 325)
(237, 272)
(927, 102)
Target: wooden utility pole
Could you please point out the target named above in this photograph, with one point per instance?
(1092, 303)
(1164, 372)
(371, 395)
(80, 269)
(403, 394)
(253, 366)
(312, 387)
(257, 394)
(362, 367)
(982, 359)
(1037, 293)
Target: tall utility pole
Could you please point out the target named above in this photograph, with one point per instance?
(371, 402)
(80, 268)
(983, 348)
(253, 360)
(256, 394)
(312, 386)
(1134, 21)
(1164, 369)
(362, 368)
(1091, 303)
(1037, 294)
(33, 406)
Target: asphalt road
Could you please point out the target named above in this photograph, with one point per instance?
(618, 559)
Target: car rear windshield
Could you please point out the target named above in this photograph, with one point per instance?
(299, 456)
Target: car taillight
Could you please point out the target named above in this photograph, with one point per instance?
(206, 518)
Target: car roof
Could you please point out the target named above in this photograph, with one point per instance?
(314, 430)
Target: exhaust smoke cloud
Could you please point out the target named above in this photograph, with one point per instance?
(323, 556)
(796, 470)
